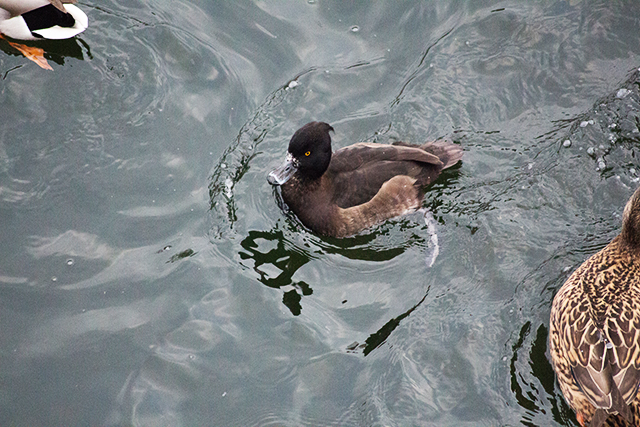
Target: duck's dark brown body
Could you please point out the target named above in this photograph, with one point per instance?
(364, 184)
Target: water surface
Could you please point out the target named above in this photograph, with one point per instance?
(150, 276)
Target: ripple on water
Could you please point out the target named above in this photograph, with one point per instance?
(264, 323)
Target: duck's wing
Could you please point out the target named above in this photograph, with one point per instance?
(358, 172)
(448, 152)
(58, 5)
(355, 156)
(600, 333)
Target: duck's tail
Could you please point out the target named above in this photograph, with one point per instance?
(448, 152)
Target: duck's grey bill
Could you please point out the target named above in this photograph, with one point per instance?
(282, 174)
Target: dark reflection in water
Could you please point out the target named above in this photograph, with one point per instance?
(380, 336)
(271, 249)
(287, 261)
(54, 50)
(181, 255)
(363, 247)
(526, 393)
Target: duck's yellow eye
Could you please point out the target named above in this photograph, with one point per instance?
(308, 153)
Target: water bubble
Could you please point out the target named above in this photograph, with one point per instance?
(228, 186)
(70, 261)
(355, 29)
(566, 143)
(622, 93)
(584, 124)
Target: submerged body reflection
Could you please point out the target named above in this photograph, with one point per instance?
(286, 260)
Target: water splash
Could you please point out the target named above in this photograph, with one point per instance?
(433, 239)
(236, 160)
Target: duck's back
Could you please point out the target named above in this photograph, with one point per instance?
(357, 172)
(595, 334)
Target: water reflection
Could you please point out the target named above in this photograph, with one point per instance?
(181, 255)
(276, 259)
(526, 392)
(54, 50)
(380, 336)
(259, 247)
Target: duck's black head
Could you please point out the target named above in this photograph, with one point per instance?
(631, 221)
(309, 154)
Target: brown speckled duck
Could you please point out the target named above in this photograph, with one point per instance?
(595, 330)
(339, 194)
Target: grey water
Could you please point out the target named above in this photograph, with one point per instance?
(150, 276)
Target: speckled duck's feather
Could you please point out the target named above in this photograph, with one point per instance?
(595, 330)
